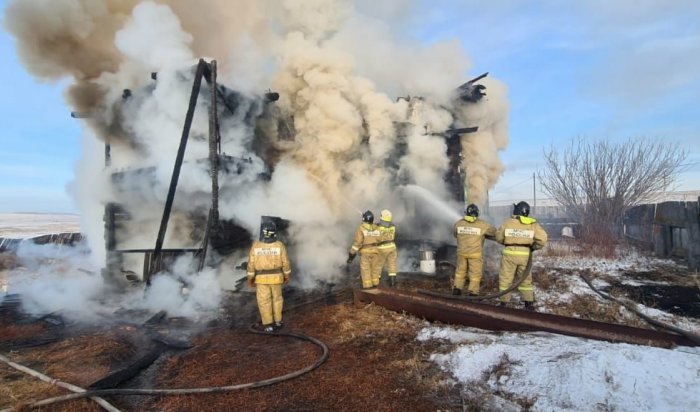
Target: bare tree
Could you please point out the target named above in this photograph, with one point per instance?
(598, 181)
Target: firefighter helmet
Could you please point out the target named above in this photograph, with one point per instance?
(368, 217)
(385, 215)
(472, 210)
(521, 209)
(269, 231)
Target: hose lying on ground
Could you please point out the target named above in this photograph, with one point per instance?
(213, 389)
(511, 288)
(103, 403)
(632, 308)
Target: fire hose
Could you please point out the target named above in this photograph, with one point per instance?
(190, 391)
(103, 403)
(511, 288)
(631, 307)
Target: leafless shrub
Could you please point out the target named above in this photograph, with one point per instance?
(597, 181)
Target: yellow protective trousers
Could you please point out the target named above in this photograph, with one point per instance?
(270, 302)
(472, 267)
(387, 256)
(370, 269)
(512, 266)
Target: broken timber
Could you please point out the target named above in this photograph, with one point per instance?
(491, 317)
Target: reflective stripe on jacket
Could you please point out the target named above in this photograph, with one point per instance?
(521, 234)
(470, 236)
(268, 263)
(387, 234)
(366, 238)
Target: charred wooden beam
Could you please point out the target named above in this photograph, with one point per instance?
(176, 169)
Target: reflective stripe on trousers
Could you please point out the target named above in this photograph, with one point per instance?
(512, 267)
(270, 302)
(472, 267)
(386, 256)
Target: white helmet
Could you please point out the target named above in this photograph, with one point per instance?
(385, 215)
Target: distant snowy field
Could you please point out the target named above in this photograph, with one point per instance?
(28, 225)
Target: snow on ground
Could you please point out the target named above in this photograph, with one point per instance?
(552, 372)
(626, 259)
(28, 225)
(546, 372)
(556, 373)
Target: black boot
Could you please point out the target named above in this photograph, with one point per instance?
(392, 281)
(456, 291)
(529, 305)
(503, 304)
(473, 294)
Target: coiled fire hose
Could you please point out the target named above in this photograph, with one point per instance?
(511, 288)
(190, 391)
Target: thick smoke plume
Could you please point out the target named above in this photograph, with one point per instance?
(359, 124)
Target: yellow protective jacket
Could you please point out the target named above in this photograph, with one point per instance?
(470, 233)
(268, 263)
(367, 236)
(387, 234)
(520, 234)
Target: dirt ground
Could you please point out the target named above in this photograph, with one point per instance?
(375, 363)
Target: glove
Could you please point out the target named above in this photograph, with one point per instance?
(251, 282)
(351, 257)
(286, 280)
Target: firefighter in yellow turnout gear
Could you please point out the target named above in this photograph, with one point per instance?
(520, 235)
(367, 237)
(387, 248)
(470, 232)
(268, 268)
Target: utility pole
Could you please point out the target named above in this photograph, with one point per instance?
(534, 194)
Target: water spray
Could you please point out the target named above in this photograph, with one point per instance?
(428, 197)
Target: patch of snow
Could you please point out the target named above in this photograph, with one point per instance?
(29, 225)
(566, 373)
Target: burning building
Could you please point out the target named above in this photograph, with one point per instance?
(190, 165)
(196, 221)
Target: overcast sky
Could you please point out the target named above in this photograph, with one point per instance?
(597, 69)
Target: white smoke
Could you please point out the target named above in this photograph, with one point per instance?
(338, 68)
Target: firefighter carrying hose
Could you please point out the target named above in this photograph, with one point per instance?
(470, 232)
(520, 235)
(268, 268)
(367, 237)
(387, 248)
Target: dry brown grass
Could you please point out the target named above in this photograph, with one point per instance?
(80, 360)
(588, 307)
(598, 244)
(559, 248)
(18, 389)
(11, 332)
(545, 279)
(375, 364)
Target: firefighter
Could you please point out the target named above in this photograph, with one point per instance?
(268, 268)
(470, 232)
(387, 248)
(520, 235)
(365, 242)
